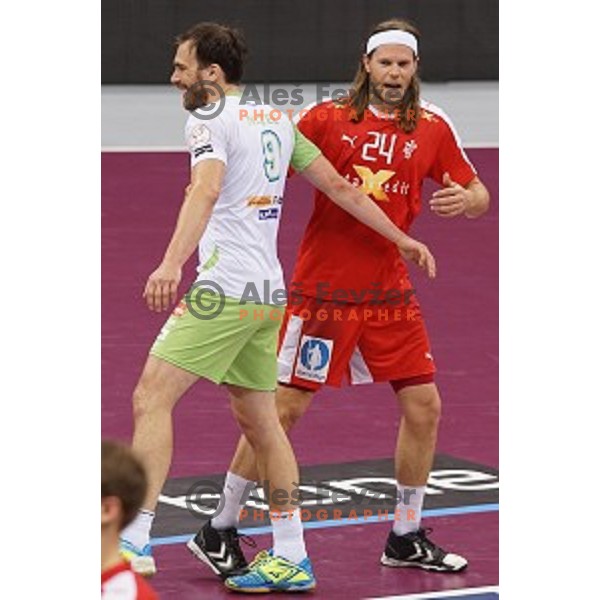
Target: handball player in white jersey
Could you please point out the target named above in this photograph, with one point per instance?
(231, 213)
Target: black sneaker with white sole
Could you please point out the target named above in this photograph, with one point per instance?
(416, 550)
(220, 550)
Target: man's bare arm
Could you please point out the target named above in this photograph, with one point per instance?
(200, 197)
(321, 173)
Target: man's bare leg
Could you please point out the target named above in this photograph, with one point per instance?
(160, 386)
(291, 403)
(407, 544)
(257, 416)
(421, 408)
(216, 544)
(159, 389)
(415, 448)
(243, 472)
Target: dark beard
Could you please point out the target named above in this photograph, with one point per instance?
(196, 96)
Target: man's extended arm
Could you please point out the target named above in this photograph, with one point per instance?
(322, 175)
(197, 207)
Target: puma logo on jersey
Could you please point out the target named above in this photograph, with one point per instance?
(350, 140)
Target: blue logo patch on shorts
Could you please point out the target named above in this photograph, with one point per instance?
(314, 358)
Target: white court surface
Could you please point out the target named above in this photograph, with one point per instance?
(152, 117)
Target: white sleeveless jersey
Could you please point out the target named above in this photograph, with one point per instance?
(239, 247)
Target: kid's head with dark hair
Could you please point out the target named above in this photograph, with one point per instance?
(124, 484)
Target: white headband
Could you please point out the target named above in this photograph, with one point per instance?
(393, 36)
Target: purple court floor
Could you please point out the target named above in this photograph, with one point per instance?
(141, 196)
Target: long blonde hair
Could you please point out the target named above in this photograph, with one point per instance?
(360, 94)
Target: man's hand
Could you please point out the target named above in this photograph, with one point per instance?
(418, 253)
(452, 200)
(161, 288)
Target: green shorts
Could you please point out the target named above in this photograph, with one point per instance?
(238, 346)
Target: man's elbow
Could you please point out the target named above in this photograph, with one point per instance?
(339, 188)
(208, 191)
(338, 184)
(213, 192)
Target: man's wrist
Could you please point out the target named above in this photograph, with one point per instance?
(171, 261)
(401, 239)
(470, 203)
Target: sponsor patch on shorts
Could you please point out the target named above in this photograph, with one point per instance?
(314, 358)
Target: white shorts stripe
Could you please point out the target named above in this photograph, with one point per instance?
(289, 349)
(359, 371)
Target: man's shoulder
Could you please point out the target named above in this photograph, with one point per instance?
(432, 113)
(321, 109)
(221, 113)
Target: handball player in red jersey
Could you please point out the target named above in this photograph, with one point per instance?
(352, 314)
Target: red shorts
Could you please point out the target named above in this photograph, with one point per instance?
(324, 342)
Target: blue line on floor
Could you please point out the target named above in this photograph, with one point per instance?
(431, 513)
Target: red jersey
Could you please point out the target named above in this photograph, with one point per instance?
(121, 583)
(337, 251)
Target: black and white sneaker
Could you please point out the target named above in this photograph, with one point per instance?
(220, 550)
(416, 550)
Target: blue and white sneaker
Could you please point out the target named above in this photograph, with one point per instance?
(141, 560)
(268, 573)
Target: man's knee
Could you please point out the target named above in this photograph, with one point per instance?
(422, 408)
(142, 399)
(151, 394)
(252, 426)
(292, 403)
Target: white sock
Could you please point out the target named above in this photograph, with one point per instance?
(407, 517)
(288, 535)
(138, 531)
(233, 492)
